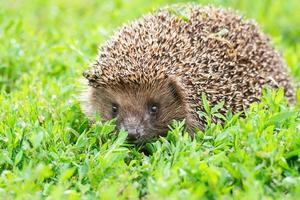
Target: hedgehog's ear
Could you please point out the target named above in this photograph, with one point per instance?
(90, 76)
(87, 74)
(176, 88)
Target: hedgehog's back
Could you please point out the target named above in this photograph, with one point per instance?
(208, 49)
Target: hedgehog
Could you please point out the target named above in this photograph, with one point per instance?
(154, 70)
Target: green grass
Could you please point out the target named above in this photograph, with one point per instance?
(48, 150)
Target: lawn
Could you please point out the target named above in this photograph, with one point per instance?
(48, 150)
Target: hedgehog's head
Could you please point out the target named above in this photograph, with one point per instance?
(144, 110)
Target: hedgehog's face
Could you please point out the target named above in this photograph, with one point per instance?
(144, 111)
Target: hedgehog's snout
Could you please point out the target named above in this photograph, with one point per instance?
(133, 133)
(134, 129)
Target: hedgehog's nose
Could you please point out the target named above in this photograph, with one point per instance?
(132, 126)
(133, 134)
(132, 130)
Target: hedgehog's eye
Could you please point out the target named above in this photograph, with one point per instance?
(114, 109)
(153, 109)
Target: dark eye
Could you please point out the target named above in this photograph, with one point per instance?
(114, 110)
(153, 109)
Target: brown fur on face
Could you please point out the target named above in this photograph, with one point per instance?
(134, 102)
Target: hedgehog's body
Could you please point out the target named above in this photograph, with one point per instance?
(164, 62)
